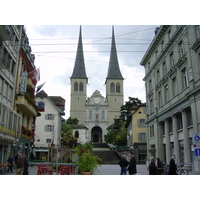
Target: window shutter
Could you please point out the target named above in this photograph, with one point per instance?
(139, 137)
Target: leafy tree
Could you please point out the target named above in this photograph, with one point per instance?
(110, 137)
(118, 135)
(72, 121)
(67, 139)
(65, 129)
(84, 148)
(121, 136)
(126, 109)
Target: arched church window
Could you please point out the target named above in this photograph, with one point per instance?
(112, 87)
(81, 86)
(76, 134)
(117, 87)
(75, 86)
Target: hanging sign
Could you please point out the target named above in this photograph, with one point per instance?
(23, 82)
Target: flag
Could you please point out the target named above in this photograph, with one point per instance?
(39, 87)
(41, 106)
(35, 76)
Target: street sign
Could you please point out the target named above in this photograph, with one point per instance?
(197, 152)
(196, 144)
(196, 138)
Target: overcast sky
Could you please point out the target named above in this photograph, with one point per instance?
(55, 50)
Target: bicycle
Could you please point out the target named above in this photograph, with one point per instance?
(181, 170)
(165, 169)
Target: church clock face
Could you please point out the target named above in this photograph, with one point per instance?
(97, 100)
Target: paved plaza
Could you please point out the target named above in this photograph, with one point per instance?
(102, 170)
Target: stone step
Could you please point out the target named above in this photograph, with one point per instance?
(100, 145)
(108, 156)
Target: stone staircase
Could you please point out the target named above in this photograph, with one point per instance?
(100, 145)
(108, 156)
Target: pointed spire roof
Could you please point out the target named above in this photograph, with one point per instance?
(79, 66)
(113, 68)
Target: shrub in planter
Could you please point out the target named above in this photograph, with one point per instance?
(88, 162)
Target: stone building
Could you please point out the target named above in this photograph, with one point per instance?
(172, 80)
(96, 112)
(10, 37)
(136, 132)
(48, 125)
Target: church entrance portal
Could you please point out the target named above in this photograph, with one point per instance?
(96, 134)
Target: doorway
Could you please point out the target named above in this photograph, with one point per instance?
(96, 134)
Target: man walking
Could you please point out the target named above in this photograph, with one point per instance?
(132, 165)
(20, 164)
(123, 163)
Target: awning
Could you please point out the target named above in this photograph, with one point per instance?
(41, 150)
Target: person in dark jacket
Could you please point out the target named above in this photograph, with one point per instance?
(172, 167)
(10, 162)
(123, 163)
(152, 167)
(20, 164)
(26, 165)
(159, 166)
(132, 165)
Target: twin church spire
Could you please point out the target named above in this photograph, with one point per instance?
(113, 68)
(79, 67)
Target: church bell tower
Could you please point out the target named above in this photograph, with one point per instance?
(79, 82)
(114, 84)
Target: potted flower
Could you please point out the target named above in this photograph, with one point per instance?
(88, 163)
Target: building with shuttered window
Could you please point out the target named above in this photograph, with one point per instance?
(48, 125)
(172, 80)
(136, 132)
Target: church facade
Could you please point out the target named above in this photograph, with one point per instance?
(96, 113)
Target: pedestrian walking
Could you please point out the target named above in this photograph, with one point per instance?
(26, 165)
(172, 167)
(152, 166)
(20, 163)
(123, 163)
(10, 163)
(159, 166)
(132, 165)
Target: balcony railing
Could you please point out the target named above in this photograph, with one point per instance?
(27, 105)
(25, 136)
(8, 131)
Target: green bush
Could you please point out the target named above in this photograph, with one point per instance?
(88, 162)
